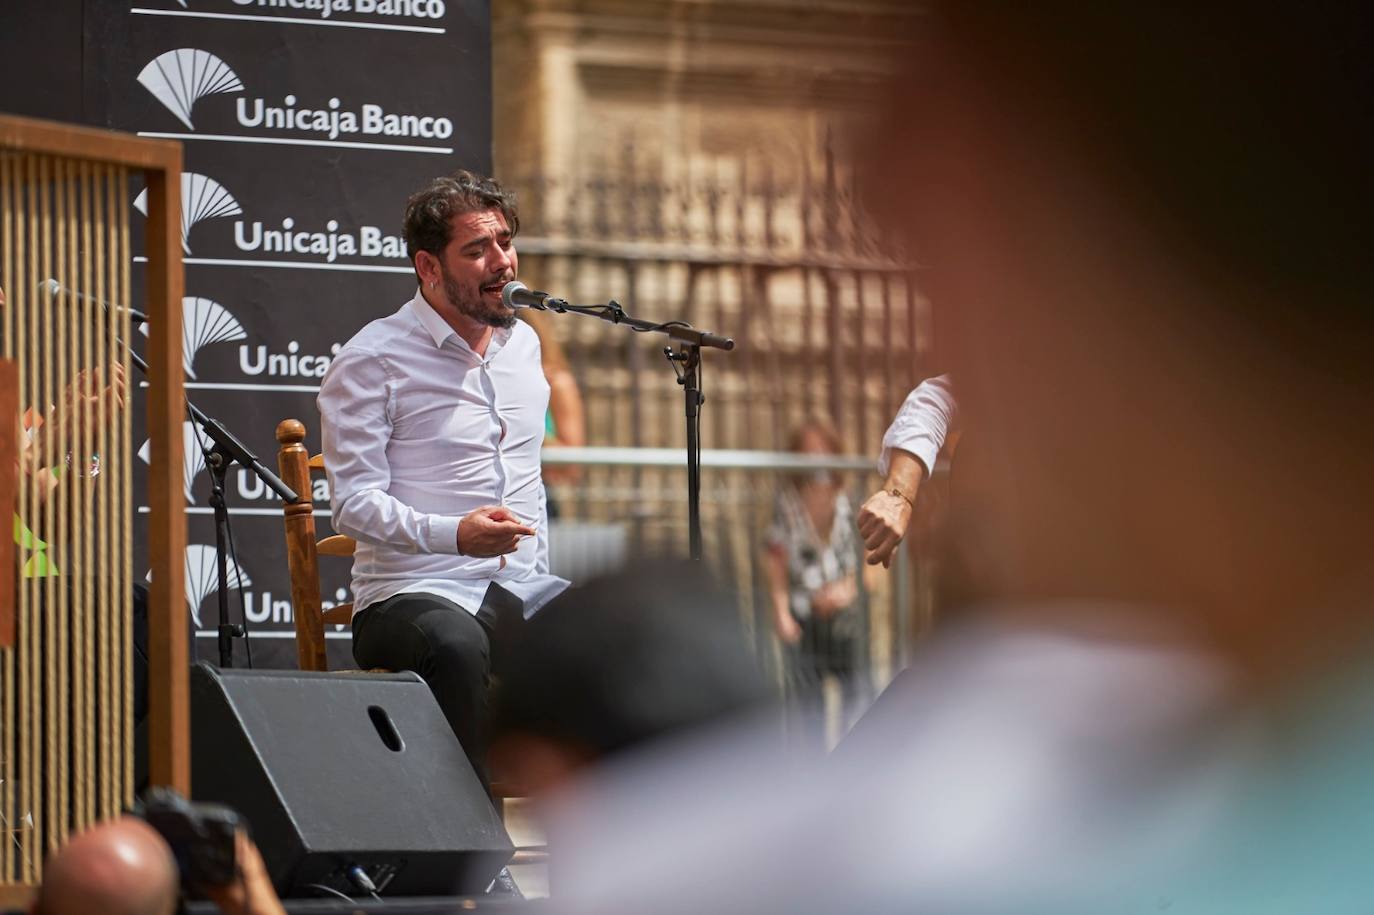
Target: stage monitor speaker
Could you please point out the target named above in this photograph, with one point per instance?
(335, 770)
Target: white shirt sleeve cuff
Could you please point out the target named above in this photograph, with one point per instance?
(925, 449)
(443, 534)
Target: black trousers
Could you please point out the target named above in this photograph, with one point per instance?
(828, 647)
(456, 652)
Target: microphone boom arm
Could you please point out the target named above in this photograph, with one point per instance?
(686, 363)
(226, 450)
(613, 313)
(226, 441)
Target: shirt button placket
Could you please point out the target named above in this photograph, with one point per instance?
(502, 475)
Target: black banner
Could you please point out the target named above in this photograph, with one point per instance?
(305, 124)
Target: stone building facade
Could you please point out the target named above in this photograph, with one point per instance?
(694, 159)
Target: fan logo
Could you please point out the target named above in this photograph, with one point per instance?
(179, 78)
(193, 460)
(370, 241)
(201, 198)
(202, 577)
(203, 322)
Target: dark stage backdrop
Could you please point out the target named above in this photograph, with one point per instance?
(305, 124)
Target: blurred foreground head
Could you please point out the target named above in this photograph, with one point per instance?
(622, 662)
(1147, 233)
(122, 867)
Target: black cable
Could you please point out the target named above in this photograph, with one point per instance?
(238, 573)
(206, 449)
(701, 399)
(616, 313)
(696, 420)
(234, 552)
(659, 328)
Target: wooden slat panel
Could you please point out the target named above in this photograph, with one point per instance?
(8, 668)
(66, 751)
(169, 723)
(89, 143)
(9, 496)
(122, 456)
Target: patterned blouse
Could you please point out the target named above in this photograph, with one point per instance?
(812, 560)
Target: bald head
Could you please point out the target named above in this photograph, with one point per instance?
(122, 867)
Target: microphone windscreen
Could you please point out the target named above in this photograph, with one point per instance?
(508, 292)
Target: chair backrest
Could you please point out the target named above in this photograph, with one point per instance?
(303, 550)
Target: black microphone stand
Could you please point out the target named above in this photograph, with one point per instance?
(224, 451)
(686, 363)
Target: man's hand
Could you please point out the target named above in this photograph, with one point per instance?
(491, 530)
(252, 892)
(883, 522)
(85, 403)
(788, 629)
(85, 393)
(884, 518)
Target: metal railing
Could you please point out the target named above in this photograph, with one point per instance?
(605, 512)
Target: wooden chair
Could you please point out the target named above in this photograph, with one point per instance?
(303, 551)
(302, 558)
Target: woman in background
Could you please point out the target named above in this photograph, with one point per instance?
(811, 563)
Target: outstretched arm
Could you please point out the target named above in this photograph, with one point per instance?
(910, 446)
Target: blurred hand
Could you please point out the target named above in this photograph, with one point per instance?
(85, 394)
(491, 530)
(883, 521)
(252, 893)
(833, 597)
(83, 398)
(87, 399)
(788, 630)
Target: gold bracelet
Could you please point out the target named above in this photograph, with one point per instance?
(894, 491)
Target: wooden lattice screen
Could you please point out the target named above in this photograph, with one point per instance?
(66, 576)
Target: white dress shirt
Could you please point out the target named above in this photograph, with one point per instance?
(418, 431)
(922, 423)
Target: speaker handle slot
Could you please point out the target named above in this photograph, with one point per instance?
(386, 728)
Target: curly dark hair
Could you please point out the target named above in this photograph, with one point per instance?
(429, 211)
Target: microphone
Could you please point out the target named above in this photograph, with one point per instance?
(516, 294)
(53, 288)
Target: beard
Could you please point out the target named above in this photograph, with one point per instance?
(471, 304)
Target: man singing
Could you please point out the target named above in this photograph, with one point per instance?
(432, 421)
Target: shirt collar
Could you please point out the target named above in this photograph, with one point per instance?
(430, 320)
(439, 330)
